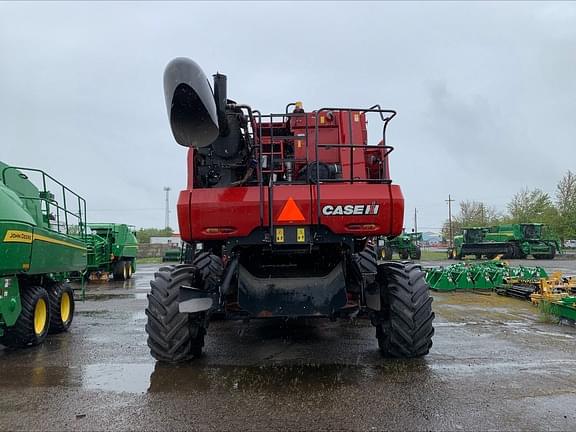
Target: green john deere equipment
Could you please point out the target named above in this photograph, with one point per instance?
(406, 245)
(496, 275)
(510, 241)
(112, 248)
(172, 255)
(42, 226)
(564, 309)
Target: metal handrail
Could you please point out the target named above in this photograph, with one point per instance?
(384, 114)
(81, 215)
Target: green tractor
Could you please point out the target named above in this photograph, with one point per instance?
(406, 245)
(510, 241)
(112, 248)
(41, 242)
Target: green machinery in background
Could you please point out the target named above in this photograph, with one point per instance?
(172, 255)
(510, 241)
(112, 248)
(406, 245)
(42, 227)
(564, 308)
(485, 275)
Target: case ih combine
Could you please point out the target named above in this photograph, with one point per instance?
(284, 206)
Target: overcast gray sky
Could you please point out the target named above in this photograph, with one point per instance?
(486, 92)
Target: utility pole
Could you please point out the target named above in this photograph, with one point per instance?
(167, 214)
(415, 220)
(450, 201)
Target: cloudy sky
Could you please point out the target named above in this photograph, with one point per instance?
(486, 92)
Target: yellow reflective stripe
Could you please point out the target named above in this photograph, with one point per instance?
(56, 241)
(17, 236)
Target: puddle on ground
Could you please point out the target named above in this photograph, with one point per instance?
(105, 296)
(197, 377)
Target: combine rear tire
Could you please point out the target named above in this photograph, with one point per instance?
(510, 252)
(61, 307)
(417, 253)
(210, 269)
(32, 325)
(173, 337)
(547, 256)
(119, 271)
(387, 253)
(404, 326)
(518, 252)
(365, 261)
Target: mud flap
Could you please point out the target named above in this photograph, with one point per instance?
(292, 296)
(371, 290)
(192, 300)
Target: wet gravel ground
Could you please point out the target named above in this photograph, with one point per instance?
(495, 364)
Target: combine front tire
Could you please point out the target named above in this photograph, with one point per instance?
(403, 254)
(404, 326)
(32, 325)
(173, 337)
(61, 307)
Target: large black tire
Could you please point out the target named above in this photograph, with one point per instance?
(120, 271)
(404, 326)
(210, 269)
(518, 252)
(387, 253)
(510, 251)
(547, 256)
(173, 337)
(417, 253)
(403, 254)
(365, 261)
(61, 307)
(209, 277)
(26, 331)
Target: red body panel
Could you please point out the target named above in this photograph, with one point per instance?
(362, 185)
(237, 210)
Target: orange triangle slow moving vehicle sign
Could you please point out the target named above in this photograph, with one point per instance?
(290, 212)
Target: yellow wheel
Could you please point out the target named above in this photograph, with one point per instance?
(40, 317)
(61, 307)
(65, 307)
(32, 324)
(128, 270)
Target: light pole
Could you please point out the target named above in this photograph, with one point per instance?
(450, 201)
(167, 213)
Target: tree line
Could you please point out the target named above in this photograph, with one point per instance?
(526, 206)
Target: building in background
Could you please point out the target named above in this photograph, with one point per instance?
(173, 240)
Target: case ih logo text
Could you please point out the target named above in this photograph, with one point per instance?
(350, 210)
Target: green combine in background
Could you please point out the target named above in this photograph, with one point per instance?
(406, 245)
(42, 227)
(112, 248)
(510, 241)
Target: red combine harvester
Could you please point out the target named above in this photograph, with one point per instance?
(284, 207)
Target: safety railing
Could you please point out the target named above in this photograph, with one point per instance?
(268, 129)
(67, 222)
